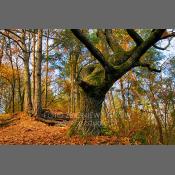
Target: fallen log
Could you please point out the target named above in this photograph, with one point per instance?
(56, 117)
(7, 122)
(50, 122)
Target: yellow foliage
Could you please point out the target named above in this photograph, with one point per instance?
(7, 72)
(125, 141)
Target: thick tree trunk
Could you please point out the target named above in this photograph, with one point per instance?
(27, 87)
(27, 83)
(89, 119)
(38, 103)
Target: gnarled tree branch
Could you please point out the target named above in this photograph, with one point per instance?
(94, 51)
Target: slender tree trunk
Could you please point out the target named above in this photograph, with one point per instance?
(105, 108)
(77, 92)
(72, 79)
(109, 102)
(72, 91)
(123, 98)
(69, 104)
(20, 97)
(2, 49)
(159, 125)
(75, 102)
(128, 94)
(113, 102)
(78, 99)
(13, 98)
(107, 115)
(13, 78)
(33, 65)
(38, 103)
(47, 70)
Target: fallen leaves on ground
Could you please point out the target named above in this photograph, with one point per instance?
(28, 131)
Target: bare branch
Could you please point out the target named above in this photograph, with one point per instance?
(13, 34)
(168, 35)
(16, 41)
(135, 36)
(163, 48)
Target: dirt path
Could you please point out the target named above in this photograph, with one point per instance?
(29, 131)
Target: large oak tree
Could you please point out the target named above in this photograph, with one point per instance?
(111, 70)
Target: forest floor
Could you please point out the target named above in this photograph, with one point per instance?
(25, 130)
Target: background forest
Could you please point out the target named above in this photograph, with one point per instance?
(94, 86)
